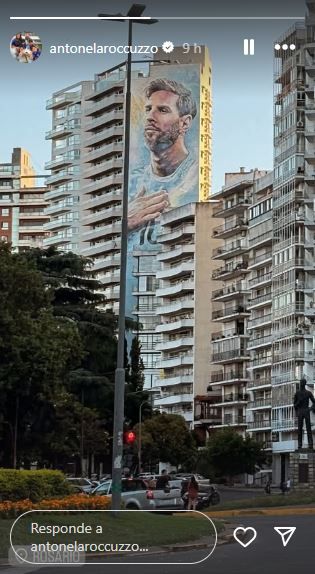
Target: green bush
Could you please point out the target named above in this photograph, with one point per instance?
(32, 484)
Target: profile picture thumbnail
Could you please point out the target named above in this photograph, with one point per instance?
(26, 47)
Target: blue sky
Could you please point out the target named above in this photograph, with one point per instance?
(242, 85)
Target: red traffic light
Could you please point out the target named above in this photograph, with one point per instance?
(130, 437)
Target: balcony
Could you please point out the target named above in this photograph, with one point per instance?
(263, 403)
(181, 231)
(106, 134)
(229, 229)
(261, 239)
(259, 383)
(101, 231)
(230, 250)
(59, 176)
(257, 301)
(260, 321)
(101, 247)
(176, 251)
(103, 151)
(285, 425)
(60, 101)
(260, 260)
(91, 202)
(109, 278)
(103, 182)
(233, 420)
(175, 325)
(99, 264)
(259, 424)
(230, 292)
(260, 280)
(260, 361)
(59, 162)
(229, 398)
(176, 288)
(175, 380)
(112, 100)
(177, 269)
(230, 271)
(176, 360)
(231, 207)
(174, 399)
(104, 119)
(228, 376)
(178, 305)
(181, 342)
(260, 342)
(229, 312)
(102, 215)
(59, 131)
(230, 356)
(103, 167)
(59, 222)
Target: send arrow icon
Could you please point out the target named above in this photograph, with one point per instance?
(286, 533)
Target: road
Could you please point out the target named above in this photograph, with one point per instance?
(265, 555)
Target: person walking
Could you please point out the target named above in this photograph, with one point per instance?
(193, 489)
(268, 486)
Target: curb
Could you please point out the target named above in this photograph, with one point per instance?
(276, 511)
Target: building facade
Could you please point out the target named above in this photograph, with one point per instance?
(22, 203)
(184, 309)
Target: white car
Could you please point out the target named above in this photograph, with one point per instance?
(137, 496)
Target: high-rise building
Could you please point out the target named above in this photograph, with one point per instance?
(231, 301)
(293, 278)
(22, 203)
(87, 177)
(66, 180)
(184, 309)
(259, 324)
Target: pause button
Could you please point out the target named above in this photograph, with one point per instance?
(249, 47)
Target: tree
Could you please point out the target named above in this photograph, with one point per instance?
(135, 394)
(166, 438)
(228, 454)
(37, 350)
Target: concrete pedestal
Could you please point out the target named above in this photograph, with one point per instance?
(302, 469)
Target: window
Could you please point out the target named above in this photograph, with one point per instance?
(4, 225)
(5, 211)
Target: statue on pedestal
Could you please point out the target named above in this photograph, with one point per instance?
(301, 404)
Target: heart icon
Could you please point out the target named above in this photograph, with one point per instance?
(242, 532)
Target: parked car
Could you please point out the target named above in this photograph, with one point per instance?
(81, 484)
(137, 496)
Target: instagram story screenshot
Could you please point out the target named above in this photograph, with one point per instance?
(157, 286)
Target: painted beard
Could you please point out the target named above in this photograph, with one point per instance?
(158, 141)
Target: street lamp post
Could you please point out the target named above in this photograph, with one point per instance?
(134, 12)
(140, 434)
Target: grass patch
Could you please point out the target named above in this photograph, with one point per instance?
(143, 528)
(270, 501)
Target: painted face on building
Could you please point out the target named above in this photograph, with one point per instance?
(163, 124)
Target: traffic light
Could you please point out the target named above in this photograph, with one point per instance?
(130, 437)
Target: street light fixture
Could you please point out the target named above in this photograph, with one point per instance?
(133, 17)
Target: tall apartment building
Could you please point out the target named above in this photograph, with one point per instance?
(86, 182)
(22, 203)
(293, 279)
(184, 309)
(259, 324)
(230, 348)
(66, 180)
